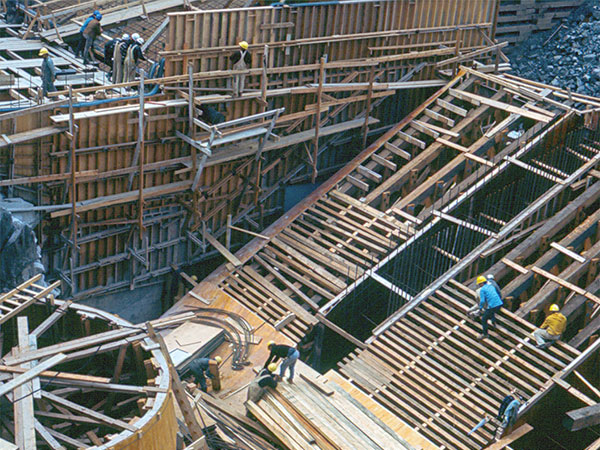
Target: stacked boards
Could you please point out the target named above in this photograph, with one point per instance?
(311, 414)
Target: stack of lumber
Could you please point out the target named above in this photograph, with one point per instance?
(313, 413)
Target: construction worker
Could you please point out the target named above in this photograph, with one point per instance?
(134, 55)
(48, 72)
(492, 281)
(240, 60)
(81, 40)
(289, 355)
(109, 53)
(489, 302)
(257, 387)
(507, 413)
(90, 33)
(117, 75)
(200, 369)
(14, 13)
(552, 328)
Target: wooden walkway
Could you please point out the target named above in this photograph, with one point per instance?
(311, 414)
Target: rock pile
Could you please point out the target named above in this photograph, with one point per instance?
(20, 254)
(566, 57)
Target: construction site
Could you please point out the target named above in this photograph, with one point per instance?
(200, 197)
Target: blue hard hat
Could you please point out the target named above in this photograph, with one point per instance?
(97, 15)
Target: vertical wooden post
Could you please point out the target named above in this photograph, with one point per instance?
(456, 51)
(192, 134)
(368, 110)
(72, 137)
(264, 81)
(142, 158)
(318, 117)
(228, 232)
(177, 387)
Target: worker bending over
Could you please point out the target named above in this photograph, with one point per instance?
(200, 369)
(289, 355)
(489, 302)
(258, 386)
(241, 61)
(81, 37)
(123, 43)
(508, 411)
(48, 72)
(552, 328)
(134, 55)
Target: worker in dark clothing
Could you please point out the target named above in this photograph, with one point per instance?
(200, 369)
(91, 32)
(507, 413)
(210, 115)
(109, 51)
(241, 60)
(490, 303)
(289, 355)
(14, 14)
(81, 41)
(48, 72)
(258, 386)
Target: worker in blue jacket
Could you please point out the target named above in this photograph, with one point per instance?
(489, 302)
(81, 37)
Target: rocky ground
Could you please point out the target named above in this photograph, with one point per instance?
(567, 56)
(20, 255)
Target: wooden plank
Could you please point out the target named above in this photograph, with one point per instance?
(581, 418)
(453, 108)
(358, 183)
(397, 151)
(23, 395)
(221, 248)
(46, 436)
(516, 434)
(439, 117)
(384, 162)
(411, 140)
(566, 284)
(114, 423)
(545, 118)
(513, 265)
(574, 392)
(31, 374)
(441, 130)
(424, 128)
(368, 173)
(291, 438)
(569, 253)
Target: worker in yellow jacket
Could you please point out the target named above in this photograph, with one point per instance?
(552, 328)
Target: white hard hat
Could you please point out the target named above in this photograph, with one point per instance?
(140, 41)
(490, 276)
(135, 36)
(125, 36)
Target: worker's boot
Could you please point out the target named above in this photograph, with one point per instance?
(482, 337)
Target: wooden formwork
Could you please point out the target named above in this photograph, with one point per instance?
(518, 19)
(397, 34)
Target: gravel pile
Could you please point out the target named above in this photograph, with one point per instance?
(566, 57)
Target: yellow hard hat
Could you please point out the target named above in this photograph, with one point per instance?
(218, 359)
(554, 307)
(481, 279)
(244, 45)
(270, 343)
(43, 51)
(272, 367)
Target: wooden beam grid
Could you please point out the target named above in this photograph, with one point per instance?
(418, 361)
